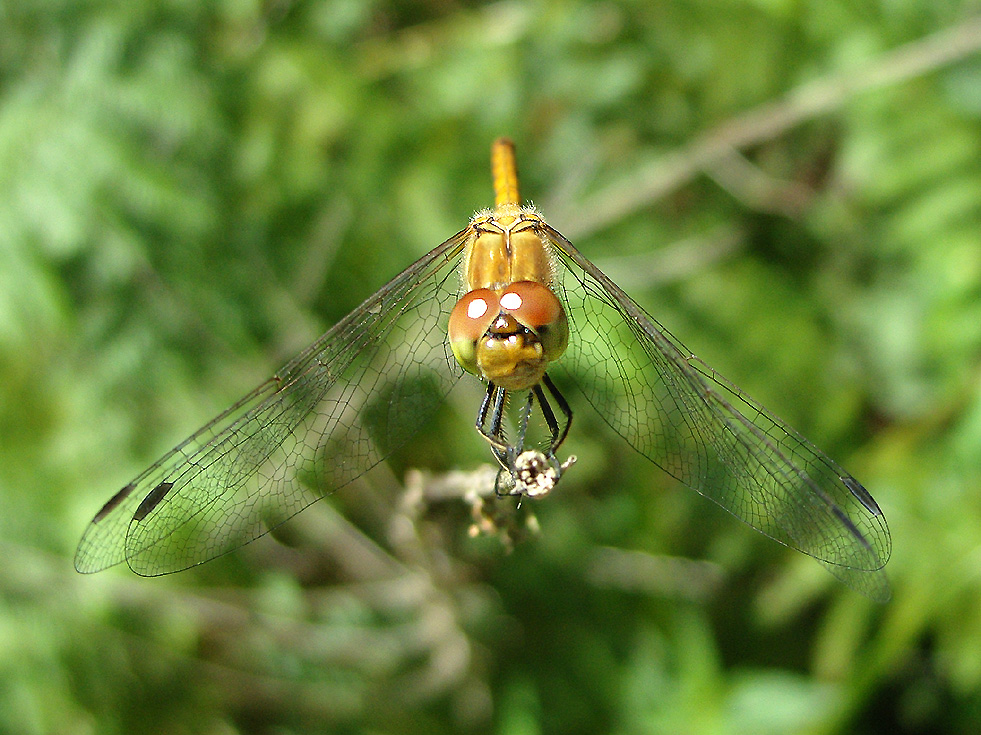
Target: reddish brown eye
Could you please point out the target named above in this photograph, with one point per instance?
(469, 321)
(473, 314)
(534, 306)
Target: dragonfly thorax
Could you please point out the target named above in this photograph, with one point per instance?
(506, 247)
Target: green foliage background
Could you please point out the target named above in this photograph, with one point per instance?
(190, 192)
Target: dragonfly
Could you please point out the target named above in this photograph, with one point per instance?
(511, 301)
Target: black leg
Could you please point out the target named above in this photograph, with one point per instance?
(525, 471)
(484, 407)
(559, 433)
(494, 433)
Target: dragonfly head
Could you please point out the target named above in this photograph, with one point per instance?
(509, 335)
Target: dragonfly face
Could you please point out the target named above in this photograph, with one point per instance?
(533, 306)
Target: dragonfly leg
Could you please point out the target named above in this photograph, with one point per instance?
(495, 400)
(525, 471)
(558, 432)
(526, 410)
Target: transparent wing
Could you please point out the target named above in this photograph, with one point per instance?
(339, 408)
(700, 428)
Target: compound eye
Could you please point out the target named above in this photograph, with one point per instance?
(469, 321)
(534, 306)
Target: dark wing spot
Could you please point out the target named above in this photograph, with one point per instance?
(113, 502)
(863, 495)
(152, 500)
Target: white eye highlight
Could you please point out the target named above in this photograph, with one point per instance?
(511, 301)
(476, 308)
